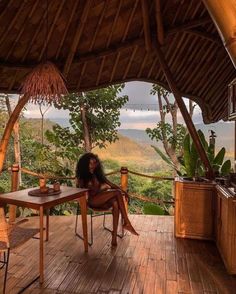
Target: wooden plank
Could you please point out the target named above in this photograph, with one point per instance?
(154, 262)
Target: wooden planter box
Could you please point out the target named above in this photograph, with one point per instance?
(194, 209)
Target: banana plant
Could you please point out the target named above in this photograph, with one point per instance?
(190, 162)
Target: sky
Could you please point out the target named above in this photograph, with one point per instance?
(131, 116)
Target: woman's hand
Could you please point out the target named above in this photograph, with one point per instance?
(127, 198)
(105, 186)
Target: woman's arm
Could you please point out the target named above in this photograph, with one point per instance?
(114, 186)
(79, 183)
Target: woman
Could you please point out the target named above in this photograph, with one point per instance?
(102, 193)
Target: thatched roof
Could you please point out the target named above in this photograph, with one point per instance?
(99, 42)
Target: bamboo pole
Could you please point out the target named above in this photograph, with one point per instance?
(187, 118)
(14, 187)
(124, 182)
(159, 23)
(223, 14)
(9, 127)
(146, 25)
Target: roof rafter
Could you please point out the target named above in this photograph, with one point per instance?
(23, 27)
(130, 20)
(98, 26)
(146, 25)
(39, 28)
(130, 61)
(12, 22)
(67, 27)
(188, 25)
(83, 58)
(159, 22)
(77, 37)
(114, 24)
(45, 44)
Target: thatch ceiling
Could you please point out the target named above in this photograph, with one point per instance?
(99, 42)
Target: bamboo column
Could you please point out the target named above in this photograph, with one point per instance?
(184, 111)
(223, 13)
(9, 127)
(124, 182)
(14, 187)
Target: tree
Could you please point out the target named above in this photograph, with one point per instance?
(170, 134)
(5, 105)
(94, 118)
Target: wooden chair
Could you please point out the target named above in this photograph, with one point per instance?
(95, 212)
(11, 237)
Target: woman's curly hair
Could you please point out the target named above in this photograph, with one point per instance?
(82, 169)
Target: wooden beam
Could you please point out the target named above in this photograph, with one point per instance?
(37, 31)
(205, 36)
(223, 14)
(83, 58)
(146, 25)
(23, 27)
(187, 25)
(130, 62)
(77, 37)
(100, 71)
(74, 8)
(98, 26)
(81, 75)
(184, 111)
(143, 64)
(114, 23)
(51, 28)
(130, 20)
(114, 67)
(12, 22)
(152, 67)
(159, 22)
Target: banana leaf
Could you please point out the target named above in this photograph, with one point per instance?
(226, 167)
(219, 157)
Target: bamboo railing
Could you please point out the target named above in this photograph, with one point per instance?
(124, 179)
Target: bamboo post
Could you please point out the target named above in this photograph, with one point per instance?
(124, 182)
(14, 187)
(9, 127)
(124, 178)
(187, 118)
(223, 14)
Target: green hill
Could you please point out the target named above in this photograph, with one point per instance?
(132, 154)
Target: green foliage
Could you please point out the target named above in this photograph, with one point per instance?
(191, 165)
(153, 209)
(102, 114)
(165, 131)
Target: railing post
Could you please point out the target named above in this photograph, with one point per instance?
(14, 187)
(124, 182)
(124, 178)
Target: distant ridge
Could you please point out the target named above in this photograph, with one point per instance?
(224, 134)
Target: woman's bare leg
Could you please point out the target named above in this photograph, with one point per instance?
(115, 213)
(105, 196)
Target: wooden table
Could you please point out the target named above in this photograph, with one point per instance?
(22, 199)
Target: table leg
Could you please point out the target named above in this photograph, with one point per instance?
(41, 246)
(83, 207)
(47, 224)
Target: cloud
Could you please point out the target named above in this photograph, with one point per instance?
(134, 114)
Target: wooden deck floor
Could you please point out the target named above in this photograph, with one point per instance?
(154, 262)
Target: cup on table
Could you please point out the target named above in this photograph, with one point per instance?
(42, 185)
(56, 186)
